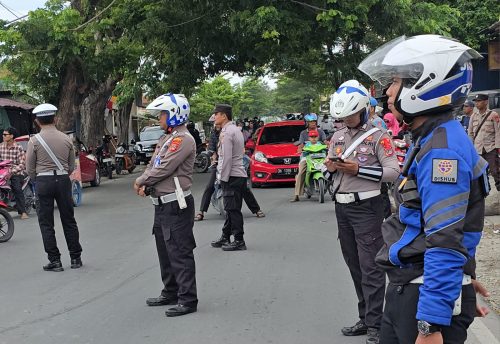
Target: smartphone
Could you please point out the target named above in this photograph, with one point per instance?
(336, 159)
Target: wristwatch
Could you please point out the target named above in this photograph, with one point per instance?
(425, 329)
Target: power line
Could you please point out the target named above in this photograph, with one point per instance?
(8, 9)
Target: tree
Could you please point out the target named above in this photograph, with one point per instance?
(253, 98)
(219, 90)
(292, 96)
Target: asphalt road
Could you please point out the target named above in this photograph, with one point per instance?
(290, 286)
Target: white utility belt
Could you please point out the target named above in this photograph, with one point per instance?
(168, 198)
(52, 173)
(457, 307)
(352, 197)
(466, 280)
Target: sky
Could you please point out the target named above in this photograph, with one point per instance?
(19, 7)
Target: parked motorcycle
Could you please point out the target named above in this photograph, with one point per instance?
(315, 181)
(104, 158)
(202, 159)
(400, 147)
(6, 221)
(124, 159)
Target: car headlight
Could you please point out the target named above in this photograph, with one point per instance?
(260, 157)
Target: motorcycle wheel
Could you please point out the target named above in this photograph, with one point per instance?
(97, 179)
(119, 166)
(109, 171)
(321, 187)
(29, 198)
(201, 163)
(6, 226)
(76, 193)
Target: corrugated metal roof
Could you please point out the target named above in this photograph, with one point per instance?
(12, 103)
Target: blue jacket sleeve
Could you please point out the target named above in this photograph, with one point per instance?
(443, 179)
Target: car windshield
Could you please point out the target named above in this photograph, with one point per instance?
(281, 134)
(151, 135)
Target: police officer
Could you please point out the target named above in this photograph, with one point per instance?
(50, 159)
(233, 178)
(363, 157)
(168, 179)
(429, 245)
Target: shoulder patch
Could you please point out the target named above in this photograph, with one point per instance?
(176, 142)
(445, 171)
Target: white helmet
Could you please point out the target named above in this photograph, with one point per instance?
(44, 110)
(350, 98)
(176, 106)
(436, 72)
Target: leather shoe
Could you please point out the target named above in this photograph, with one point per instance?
(53, 266)
(76, 263)
(372, 336)
(236, 245)
(161, 301)
(357, 330)
(180, 310)
(220, 242)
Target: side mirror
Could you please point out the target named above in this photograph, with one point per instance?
(250, 145)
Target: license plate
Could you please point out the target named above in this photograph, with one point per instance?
(107, 160)
(149, 155)
(118, 155)
(287, 171)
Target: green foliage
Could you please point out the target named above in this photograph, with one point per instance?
(219, 90)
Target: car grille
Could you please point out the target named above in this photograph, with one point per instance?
(281, 160)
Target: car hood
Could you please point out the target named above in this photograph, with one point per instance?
(147, 143)
(278, 150)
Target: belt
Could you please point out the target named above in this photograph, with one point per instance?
(466, 280)
(52, 173)
(168, 198)
(352, 197)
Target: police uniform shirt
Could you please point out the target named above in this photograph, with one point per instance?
(39, 161)
(375, 156)
(231, 150)
(173, 157)
(488, 137)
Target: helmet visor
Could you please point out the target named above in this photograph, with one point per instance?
(374, 67)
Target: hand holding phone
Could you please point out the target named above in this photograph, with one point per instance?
(336, 159)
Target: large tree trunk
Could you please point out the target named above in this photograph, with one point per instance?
(123, 121)
(92, 112)
(72, 91)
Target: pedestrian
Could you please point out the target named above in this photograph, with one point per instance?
(10, 150)
(50, 159)
(327, 125)
(233, 178)
(248, 195)
(429, 245)
(311, 122)
(467, 111)
(484, 130)
(167, 180)
(363, 157)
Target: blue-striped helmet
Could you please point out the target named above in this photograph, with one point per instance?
(175, 105)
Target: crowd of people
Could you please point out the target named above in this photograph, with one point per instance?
(426, 250)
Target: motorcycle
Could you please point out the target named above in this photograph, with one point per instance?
(315, 181)
(104, 159)
(202, 159)
(124, 159)
(6, 193)
(6, 203)
(400, 148)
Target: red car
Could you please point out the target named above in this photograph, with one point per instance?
(275, 158)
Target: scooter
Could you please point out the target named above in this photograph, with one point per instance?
(6, 221)
(104, 159)
(124, 159)
(6, 193)
(202, 159)
(400, 148)
(315, 181)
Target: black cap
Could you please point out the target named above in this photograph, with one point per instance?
(481, 96)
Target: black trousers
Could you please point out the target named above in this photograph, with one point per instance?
(232, 192)
(58, 188)
(494, 166)
(360, 239)
(16, 183)
(399, 325)
(248, 195)
(173, 231)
